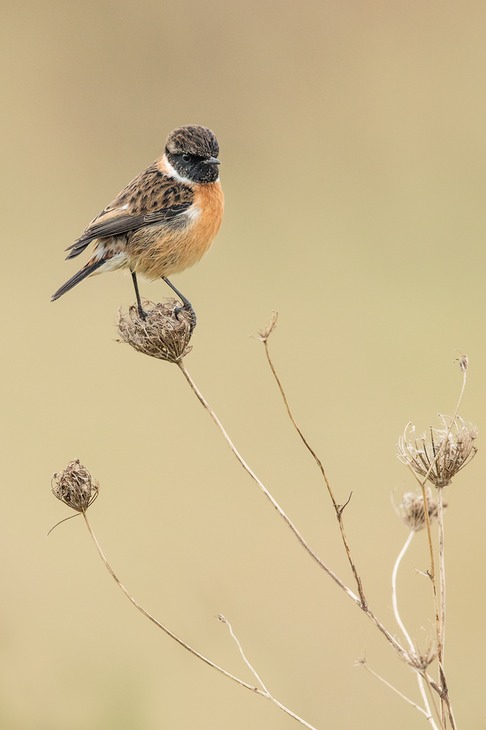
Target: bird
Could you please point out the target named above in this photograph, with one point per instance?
(163, 221)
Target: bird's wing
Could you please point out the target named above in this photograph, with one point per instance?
(152, 197)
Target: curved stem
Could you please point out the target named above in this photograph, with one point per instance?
(356, 599)
(337, 508)
(398, 618)
(439, 592)
(442, 576)
(261, 692)
(154, 620)
(396, 612)
(263, 488)
(388, 684)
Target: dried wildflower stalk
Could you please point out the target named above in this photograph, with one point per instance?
(153, 336)
(437, 458)
(416, 511)
(426, 712)
(75, 487)
(355, 598)
(451, 449)
(263, 488)
(338, 508)
(165, 334)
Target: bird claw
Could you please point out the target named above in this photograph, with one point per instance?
(187, 308)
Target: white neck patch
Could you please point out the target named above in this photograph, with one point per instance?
(173, 172)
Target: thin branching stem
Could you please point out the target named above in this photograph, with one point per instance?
(339, 514)
(356, 599)
(438, 585)
(250, 666)
(156, 621)
(396, 612)
(338, 509)
(397, 691)
(257, 676)
(263, 488)
(256, 690)
(434, 693)
(439, 591)
(398, 618)
(442, 574)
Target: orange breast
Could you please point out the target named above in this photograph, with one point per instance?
(165, 249)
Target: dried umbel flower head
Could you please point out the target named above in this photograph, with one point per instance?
(265, 333)
(412, 509)
(463, 361)
(75, 486)
(164, 333)
(441, 453)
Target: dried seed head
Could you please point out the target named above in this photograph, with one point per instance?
(265, 333)
(164, 334)
(463, 362)
(439, 455)
(75, 486)
(412, 509)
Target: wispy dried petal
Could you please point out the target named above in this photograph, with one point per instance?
(75, 486)
(164, 334)
(441, 453)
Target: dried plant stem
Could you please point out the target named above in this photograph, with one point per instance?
(153, 619)
(396, 612)
(397, 691)
(338, 509)
(256, 690)
(439, 595)
(262, 487)
(225, 621)
(442, 576)
(257, 676)
(356, 599)
(398, 618)
(442, 610)
(439, 591)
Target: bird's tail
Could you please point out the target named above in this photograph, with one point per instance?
(90, 268)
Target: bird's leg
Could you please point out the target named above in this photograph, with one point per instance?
(141, 311)
(186, 304)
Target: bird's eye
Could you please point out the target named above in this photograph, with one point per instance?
(186, 157)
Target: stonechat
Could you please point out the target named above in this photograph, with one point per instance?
(164, 220)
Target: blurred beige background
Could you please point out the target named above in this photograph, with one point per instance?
(353, 155)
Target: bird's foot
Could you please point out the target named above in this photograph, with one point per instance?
(142, 313)
(187, 308)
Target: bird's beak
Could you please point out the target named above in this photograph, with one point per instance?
(212, 161)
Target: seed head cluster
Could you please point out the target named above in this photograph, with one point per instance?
(165, 333)
(442, 452)
(75, 486)
(412, 509)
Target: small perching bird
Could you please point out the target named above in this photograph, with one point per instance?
(164, 220)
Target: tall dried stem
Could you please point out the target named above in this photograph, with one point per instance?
(261, 692)
(356, 599)
(338, 508)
